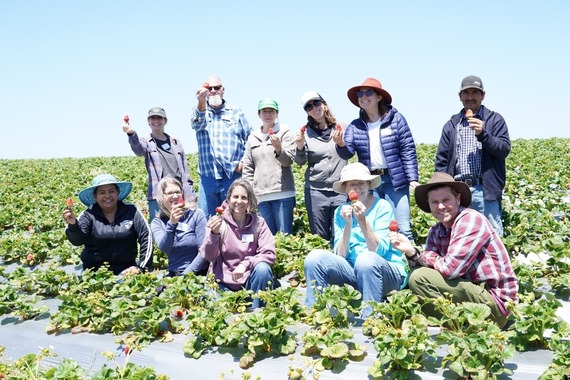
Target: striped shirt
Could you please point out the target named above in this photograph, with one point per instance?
(471, 249)
(469, 152)
(221, 134)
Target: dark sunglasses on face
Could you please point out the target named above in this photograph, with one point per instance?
(361, 93)
(316, 103)
(215, 88)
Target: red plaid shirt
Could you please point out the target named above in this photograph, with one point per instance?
(471, 249)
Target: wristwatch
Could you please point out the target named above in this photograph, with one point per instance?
(415, 256)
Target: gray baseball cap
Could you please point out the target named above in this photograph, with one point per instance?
(157, 111)
(472, 81)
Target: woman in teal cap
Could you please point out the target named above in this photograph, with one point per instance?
(111, 231)
(267, 161)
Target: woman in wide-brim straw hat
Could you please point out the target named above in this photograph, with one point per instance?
(363, 256)
(315, 146)
(111, 232)
(383, 142)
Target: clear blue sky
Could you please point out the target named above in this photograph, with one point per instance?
(70, 70)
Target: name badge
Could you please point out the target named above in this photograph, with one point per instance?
(386, 131)
(166, 146)
(182, 227)
(247, 238)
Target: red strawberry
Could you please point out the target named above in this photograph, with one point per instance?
(303, 129)
(352, 196)
(468, 114)
(338, 127)
(219, 210)
(271, 131)
(393, 226)
(127, 349)
(31, 228)
(126, 119)
(69, 203)
(181, 200)
(179, 313)
(206, 85)
(30, 257)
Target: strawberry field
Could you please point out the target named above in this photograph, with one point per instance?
(188, 318)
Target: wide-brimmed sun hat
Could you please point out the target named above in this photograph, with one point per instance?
(371, 83)
(355, 172)
(441, 179)
(87, 197)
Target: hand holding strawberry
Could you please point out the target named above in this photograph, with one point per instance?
(219, 210)
(69, 203)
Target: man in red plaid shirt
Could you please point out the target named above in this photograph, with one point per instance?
(463, 256)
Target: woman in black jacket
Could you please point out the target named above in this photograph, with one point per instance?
(109, 229)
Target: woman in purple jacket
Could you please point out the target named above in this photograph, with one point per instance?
(383, 142)
(239, 244)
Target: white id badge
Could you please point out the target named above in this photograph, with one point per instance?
(247, 238)
(182, 227)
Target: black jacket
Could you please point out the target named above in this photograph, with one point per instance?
(115, 243)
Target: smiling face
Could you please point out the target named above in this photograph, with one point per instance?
(444, 204)
(360, 187)
(239, 201)
(107, 197)
(171, 193)
(369, 99)
(472, 99)
(156, 123)
(316, 109)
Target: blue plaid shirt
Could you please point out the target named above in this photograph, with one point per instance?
(221, 134)
(468, 152)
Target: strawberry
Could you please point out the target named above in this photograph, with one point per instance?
(31, 228)
(181, 200)
(271, 131)
(393, 226)
(352, 196)
(303, 129)
(127, 349)
(30, 257)
(206, 85)
(69, 203)
(126, 119)
(219, 210)
(179, 313)
(468, 114)
(338, 127)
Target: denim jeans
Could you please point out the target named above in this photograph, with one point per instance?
(490, 208)
(321, 205)
(261, 278)
(278, 214)
(400, 201)
(153, 209)
(372, 275)
(216, 193)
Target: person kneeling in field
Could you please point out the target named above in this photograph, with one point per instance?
(464, 256)
(363, 256)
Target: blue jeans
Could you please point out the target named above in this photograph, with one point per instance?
(153, 209)
(261, 278)
(490, 208)
(278, 214)
(372, 275)
(216, 193)
(400, 201)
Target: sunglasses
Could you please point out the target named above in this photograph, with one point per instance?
(215, 88)
(316, 103)
(361, 93)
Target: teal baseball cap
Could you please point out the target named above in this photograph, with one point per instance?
(268, 103)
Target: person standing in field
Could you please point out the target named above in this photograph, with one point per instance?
(222, 131)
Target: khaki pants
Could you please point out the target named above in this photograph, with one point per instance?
(428, 282)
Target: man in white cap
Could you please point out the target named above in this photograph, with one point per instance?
(473, 147)
(463, 255)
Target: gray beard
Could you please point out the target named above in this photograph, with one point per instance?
(215, 101)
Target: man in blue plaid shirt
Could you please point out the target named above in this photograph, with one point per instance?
(222, 131)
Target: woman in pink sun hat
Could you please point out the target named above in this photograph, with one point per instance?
(383, 142)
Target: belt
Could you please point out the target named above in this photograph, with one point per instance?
(379, 171)
(472, 181)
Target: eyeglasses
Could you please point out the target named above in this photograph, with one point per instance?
(316, 103)
(171, 193)
(214, 88)
(361, 93)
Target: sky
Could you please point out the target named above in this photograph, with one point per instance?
(70, 70)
